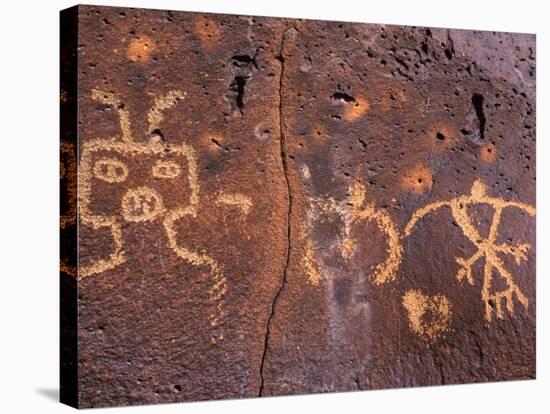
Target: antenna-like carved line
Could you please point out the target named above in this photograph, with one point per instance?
(155, 115)
(110, 99)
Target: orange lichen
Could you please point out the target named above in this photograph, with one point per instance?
(355, 110)
(488, 153)
(208, 32)
(140, 49)
(442, 137)
(417, 179)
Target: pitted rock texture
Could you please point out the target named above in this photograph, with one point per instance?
(272, 206)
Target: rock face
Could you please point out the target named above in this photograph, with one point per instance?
(269, 206)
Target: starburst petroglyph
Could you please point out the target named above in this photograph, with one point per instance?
(108, 162)
(487, 248)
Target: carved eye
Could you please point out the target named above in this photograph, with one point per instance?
(110, 170)
(166, 169)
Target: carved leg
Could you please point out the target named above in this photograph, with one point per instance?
(116, 258)
(466, 267)
(513, 288)
(485, 295)
(217, 291)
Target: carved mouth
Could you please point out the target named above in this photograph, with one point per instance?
(141, 204)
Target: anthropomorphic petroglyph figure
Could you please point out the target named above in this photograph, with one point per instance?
(356, 212)
(365, 212)
(159, 182)
(487, 248)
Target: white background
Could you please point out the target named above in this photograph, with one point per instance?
(29, 205)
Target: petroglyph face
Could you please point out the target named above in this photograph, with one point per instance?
(135, 181)
(121, 181)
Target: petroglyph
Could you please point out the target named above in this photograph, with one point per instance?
(416, 303)
(306, 174)
(359, 213)
(141, 204)
(386, 271)
(319, 209)
(110, 170)
(110, 99)
(429, 317)
(106, 160)
(166, 169)
(238, 200)
(109, 161)
(310, 264)
(162, 103)
(487, 248)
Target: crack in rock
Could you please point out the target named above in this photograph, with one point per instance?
(284, 162)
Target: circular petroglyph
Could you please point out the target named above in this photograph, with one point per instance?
(141, 204)
(429, 316)
(166, 169)
(110, 170)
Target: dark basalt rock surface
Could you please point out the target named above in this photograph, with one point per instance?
(272, 206)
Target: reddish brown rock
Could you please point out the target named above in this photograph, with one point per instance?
(183, 205)
(271, 206)
(441, 129)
